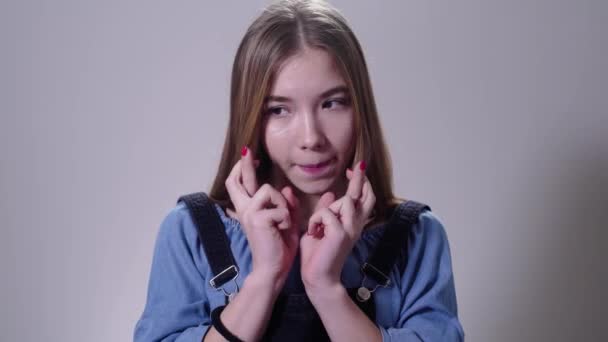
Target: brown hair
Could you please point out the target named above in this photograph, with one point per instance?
(283, 29)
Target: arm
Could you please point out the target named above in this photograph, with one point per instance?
(177, 308)
(248, 313)
(338, 311)
(273, 242)
(428, 307)
(324, 254)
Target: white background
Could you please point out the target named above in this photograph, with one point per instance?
(496, 113)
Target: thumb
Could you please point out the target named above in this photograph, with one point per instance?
(292, 235)
(292, 202)
(325, 200)
(349, 174)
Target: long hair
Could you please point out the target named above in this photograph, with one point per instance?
(283, 29)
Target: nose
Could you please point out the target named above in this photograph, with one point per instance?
(311, 132)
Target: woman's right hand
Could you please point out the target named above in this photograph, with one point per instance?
(266, 218)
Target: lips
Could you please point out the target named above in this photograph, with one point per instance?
(317, 170)
(321, 164)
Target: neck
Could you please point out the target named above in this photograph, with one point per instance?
(308, 203)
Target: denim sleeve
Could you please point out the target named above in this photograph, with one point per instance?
(428, 309)
(177, 308)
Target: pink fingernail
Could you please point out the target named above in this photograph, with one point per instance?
(244, 151)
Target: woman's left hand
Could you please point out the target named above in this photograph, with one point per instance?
(332, 233)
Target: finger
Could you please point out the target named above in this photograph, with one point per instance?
(367, 186)
(292, 200)
(291, 238)
(277, 217)
(336, 206)
(325, 200)
(347, 216)
(321, 218)
(250, 182)
(355, 184)
(346, 212)
(349, 173)
(268, 197)
(331, 225)
(237, 193)
(314, 222)
(293, 203)
(369, 200)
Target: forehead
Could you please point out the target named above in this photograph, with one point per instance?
(307, 72)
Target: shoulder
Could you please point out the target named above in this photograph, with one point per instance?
(426, 232)
(425, 221)
(430, 226)
(428, 244)
(177, 227)
(429, 229)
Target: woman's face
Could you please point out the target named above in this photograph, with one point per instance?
(308, 126)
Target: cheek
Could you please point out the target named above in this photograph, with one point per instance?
(276, 139)
(341, 132)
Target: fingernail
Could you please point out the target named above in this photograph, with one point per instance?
(244, 151)
(363, 165)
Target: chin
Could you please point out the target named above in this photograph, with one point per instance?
(317, 187)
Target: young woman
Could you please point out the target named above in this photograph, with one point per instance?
(304, 198)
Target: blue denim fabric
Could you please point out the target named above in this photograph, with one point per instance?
(419, 306)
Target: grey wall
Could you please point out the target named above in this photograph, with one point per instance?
(496, 113)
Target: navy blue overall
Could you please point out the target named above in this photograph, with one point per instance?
(294, 318)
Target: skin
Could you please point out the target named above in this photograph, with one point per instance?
(309, 119)
(304, 124)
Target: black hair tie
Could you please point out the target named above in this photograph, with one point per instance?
(219, 326)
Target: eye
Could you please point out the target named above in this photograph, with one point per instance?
(277, 111)
(335, 103)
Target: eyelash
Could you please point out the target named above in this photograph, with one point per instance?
(270, 110)
(338, 101)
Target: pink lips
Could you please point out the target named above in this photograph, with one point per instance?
(316, 169)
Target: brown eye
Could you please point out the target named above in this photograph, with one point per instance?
(275, 111)
(335, 103)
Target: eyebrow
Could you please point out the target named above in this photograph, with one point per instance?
(327, 93)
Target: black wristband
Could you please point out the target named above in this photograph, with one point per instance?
(217, 324)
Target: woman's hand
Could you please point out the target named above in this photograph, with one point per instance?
(332, 232)
(266, 218)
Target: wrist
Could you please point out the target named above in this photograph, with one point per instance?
(263, 283)
(326, 294)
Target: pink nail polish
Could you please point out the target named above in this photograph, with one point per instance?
(244, 151)
(363, 165)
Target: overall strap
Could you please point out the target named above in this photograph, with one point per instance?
(393, 242)
(212, 233)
